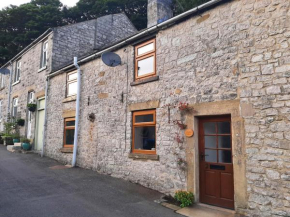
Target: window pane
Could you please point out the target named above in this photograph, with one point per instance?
(210, 141)
(44, 59)
(146, 48)
(72, 76)
(210, 155)
(146, 66)
(209, 128)
(70, 123)
(72, 89)
(41, 104)
(144, 138)
(225, 156)
(224, 142)
(69, 136)
(224, 127)
(144, 118)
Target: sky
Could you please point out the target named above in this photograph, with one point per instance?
(4, 3)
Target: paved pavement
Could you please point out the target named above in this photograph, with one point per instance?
(29, 187)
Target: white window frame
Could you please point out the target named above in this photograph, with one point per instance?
(14, 104)
(44, 50)
(17, 71)
(29, 115)
(1, 110)
(70, 81)
(2, 81)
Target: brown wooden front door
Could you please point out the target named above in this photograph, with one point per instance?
(215, 160)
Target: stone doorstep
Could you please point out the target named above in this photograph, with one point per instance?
(206, 211)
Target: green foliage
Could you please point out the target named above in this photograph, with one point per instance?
(31, 107)
(25, 140)
(184, 197)
(9, 126)
(20, 122)
(21, 25)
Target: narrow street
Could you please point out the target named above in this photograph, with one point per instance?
(31, 186)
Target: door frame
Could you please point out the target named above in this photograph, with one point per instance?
(232, 108)
(36, 120)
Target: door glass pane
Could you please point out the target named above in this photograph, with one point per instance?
(144, 138)
(224, 142)
(146, 66)
(224, 127)
(147, 48)
(70, 123)
(69, 136)
(144, 118)
(41, 104)
(225, 156)
(210, 155)
(210, 141)
(209, 128)
(72, 89)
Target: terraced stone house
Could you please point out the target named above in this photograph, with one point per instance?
(199, 102)
(53, 50)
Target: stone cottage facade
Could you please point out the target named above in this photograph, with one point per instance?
(51, 51)
(230, 63)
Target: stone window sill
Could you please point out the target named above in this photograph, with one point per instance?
(144, 156)
(145, 80)
(66, 150)
(17, 82)
(41, 69)
(70, 99)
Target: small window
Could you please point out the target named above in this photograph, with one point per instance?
(72, 84)
(14, 107)
(145, 60)
(144, 132)
(0, 110)
(2, 80)
(69, 132)
(17, 71)
(44, 53)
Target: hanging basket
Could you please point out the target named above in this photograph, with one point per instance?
(20, 122)
(31, 107)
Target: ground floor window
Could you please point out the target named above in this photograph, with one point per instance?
(69, 132)
(144, 132)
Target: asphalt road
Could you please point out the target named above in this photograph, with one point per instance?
(29, 187)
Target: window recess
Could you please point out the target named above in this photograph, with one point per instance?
(144, 132)
(145, 59)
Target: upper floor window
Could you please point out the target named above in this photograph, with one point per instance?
(43, 62)
(71, 84)
(144, 132)
(14, 107)
(17, 71)
(145, 59)
(2, 80)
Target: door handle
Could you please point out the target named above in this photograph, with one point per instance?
(202, 155)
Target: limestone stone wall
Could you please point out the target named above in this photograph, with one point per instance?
(238, 50)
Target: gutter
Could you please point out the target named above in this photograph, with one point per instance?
(145, 32)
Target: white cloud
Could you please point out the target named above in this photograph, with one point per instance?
(3, 4)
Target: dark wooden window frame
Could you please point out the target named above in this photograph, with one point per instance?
(67, 128)
(70, 82)
(143, 124)
(145, 56)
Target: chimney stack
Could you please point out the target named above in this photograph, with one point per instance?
(158, 11)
